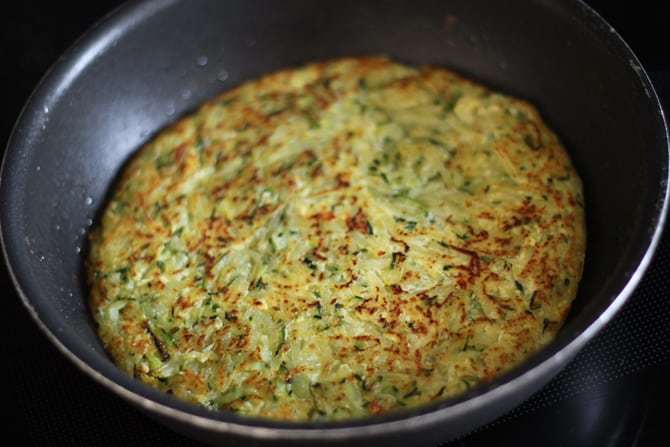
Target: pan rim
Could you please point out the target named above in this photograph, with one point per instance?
(263, 429)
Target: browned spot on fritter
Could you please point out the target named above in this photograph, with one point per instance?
(358, 222)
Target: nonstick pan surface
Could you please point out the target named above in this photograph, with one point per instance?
(150, 62)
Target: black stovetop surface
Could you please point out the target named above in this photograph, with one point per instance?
(612, 394)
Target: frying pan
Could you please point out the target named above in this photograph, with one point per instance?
(150, 62)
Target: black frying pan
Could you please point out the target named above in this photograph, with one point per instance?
(152, 61)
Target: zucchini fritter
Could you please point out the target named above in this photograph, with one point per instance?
(339, 240)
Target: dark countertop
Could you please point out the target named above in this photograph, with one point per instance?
(612, 394)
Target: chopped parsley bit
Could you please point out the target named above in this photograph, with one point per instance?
(533, 304)
(318, 315)
(120, 206)
(418, 163)
(401, 193)
(531, 143)
(227, 101)
(370, 229)
(439, 393)
(123, 273)
(413, 392)
(164, 160)
(232, 280)
(437, 176)
(548, 324)
(281, 344)
(466, 187)
(259, 284)
(475, 307)
(309, 263)
(158, 207)
(396, 258)
(313, 122)
(469, 381)
(449, 106)
(276, 111)
(362, 105)
(200, 147)
(384, 177)
(519, 286)
(410, 225)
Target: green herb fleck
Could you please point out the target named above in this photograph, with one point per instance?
(164, 160)
(318, 315)
(469, 381)
(519, 286)
(548, 324)
(533, 304)
(521, 115)
(384, 177)
(531, 142)
(396, 258)
(259, 284)
(449, 106)
(413, 392)
(313, 122)
(309, 263)
(123, 273)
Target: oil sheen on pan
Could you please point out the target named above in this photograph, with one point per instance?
(338, 240)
